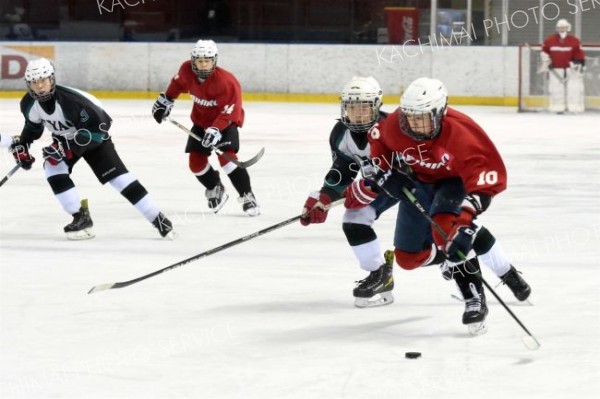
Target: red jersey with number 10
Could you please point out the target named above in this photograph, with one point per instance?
(462, 149)
(217, 99)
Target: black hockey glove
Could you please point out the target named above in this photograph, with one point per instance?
(162, 107)
(21, 153)
(392, 181)
(460, 243)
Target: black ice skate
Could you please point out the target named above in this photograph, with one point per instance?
(249, 204)
(468, 279)
(217, 197)
(81, 226)
(517, 285)
(376, 289)
(164, 226)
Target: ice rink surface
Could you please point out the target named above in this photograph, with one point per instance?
(274, 317)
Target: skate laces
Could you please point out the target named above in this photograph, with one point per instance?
(473, 304)
(511, 278)
(373, 276)
(216, 192)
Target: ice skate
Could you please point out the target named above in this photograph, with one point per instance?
(249, 204)
(469, 283)
(81, 226)
(475, 312)
(517, 285)
(217, 197)
(376, 289)
(164, 226)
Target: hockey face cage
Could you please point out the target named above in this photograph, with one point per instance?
(44, 96)
(420, 125)
(203, 74)
(359, 115)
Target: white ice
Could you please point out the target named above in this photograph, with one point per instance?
(274, 317)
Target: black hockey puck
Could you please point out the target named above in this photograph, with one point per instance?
(412, 355)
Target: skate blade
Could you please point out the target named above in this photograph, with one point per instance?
(382, 299)
(477, 328)
(84, 234)
(217, 208)
(253, 211)
(171, 235)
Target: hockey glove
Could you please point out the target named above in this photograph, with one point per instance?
(212, 136)
(578, 66)
(55, 153)
(162, 107)
(315, 208)
(21, 153)
(460, 239)
(359, 194)
(392, 181)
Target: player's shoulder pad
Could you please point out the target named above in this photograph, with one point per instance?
(337, 133)
(26, 103)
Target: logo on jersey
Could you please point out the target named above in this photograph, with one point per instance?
(84, 116)
(58, 126)
(444, 160)
(203, 102)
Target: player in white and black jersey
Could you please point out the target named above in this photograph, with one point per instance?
(79, 127)
(360, 110)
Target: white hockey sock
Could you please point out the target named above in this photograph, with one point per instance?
(148, 208)
(146, 205)
(495, 259)
(69, 200)
(369, 255)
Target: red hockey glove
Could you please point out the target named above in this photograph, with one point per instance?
(315, 208)
(21, 154)
(359, 194)
(55, 153)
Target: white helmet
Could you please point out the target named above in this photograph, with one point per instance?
(424, 98)
(204, 49)
(37, 70)
(563, 27)
(363, 95)
(563, 23)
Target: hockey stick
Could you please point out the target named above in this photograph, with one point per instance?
(241, 164)
(529, 340)
(9, 174)
(204, 254)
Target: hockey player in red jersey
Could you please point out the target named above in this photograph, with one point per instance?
(217, 114)
(563, 60)
(452, 167)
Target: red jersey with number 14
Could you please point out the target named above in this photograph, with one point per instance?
(462, 149)
(217, 99)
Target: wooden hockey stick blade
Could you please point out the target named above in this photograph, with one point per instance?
(9, 174)
(241, 164)
(110, 286)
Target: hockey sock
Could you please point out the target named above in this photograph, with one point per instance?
(490, 252)
(209, 178)
(63, 187)
(136, 194)
(241, 181)
(365, 245)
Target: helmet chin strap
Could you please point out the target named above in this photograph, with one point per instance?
(562, 34)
